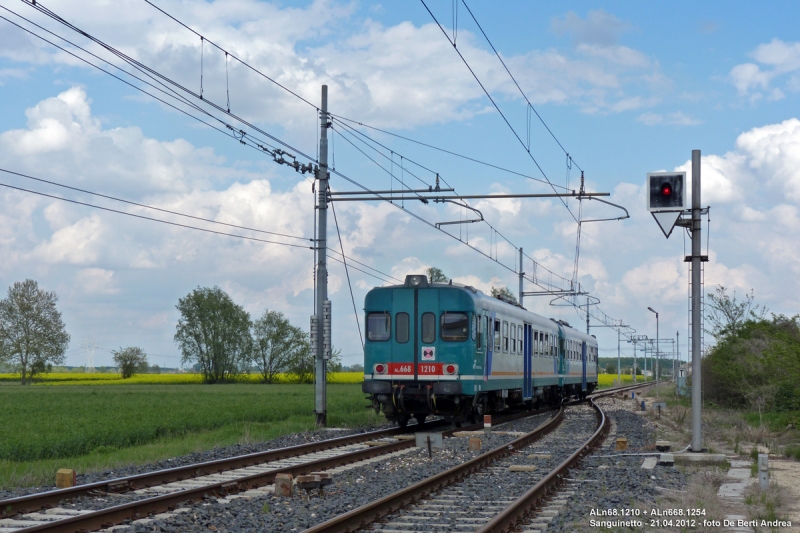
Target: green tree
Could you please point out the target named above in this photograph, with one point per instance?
(611, 368)
(276, 343)
(726, 315)
(757, 366)
(214, 333)
(130, 360)
(503, 293)
(436, 275)
(303, 366)
(32, 334)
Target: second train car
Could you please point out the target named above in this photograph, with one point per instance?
(448, 349)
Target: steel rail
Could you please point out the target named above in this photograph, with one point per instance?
(141, 508)
(107, 517)
(371, 512)
(507, 520)
(33, 502)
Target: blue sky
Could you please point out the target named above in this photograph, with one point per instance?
(628, 88)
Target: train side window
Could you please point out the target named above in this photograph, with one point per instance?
(521, 330)
(505, 336)
(454, 326)
(513, 337)
(379, 326)
(497, 335)
(401, 328)
(428, 328)
(535, 347)
(474, 326)
(478, 333)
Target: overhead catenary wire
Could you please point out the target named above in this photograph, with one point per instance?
(117, 211)
(347, 273)
(152, 207)
(254, 143)
(153, 73)
(497, 107)
(530, 105)
(241, 137)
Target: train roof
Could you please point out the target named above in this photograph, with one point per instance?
(414, 281)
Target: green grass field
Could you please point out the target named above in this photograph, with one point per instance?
(89, 427)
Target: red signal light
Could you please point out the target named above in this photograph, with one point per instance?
(380, 369)
(666, 189)
(450, 369)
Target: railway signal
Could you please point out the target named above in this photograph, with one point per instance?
(666, 198)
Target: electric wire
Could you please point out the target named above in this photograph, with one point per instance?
(347, 272)
(518, 87)
(150, 72)
(242, 140)
(77, 202)
(229, 53)
(444, 150)
(388, 276)
(152, 207)
(203, 38)
(489, 96)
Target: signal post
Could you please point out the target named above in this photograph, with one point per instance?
(666, 200)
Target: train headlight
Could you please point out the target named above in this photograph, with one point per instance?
(380, 368)
(415, 281)
(450, 369)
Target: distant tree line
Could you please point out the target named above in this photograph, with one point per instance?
(218, 336)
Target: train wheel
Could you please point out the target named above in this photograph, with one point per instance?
(402, 419)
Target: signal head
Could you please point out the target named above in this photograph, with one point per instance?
(666, 191)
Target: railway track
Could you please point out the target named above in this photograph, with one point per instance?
(471, 496)
(145, 495)
(163, 490)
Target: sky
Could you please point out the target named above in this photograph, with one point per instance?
(621, 88)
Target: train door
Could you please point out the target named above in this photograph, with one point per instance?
(490, 341)
(560, 356)
(583, 366)
(427, 320)
(403, 332)
(527, 362)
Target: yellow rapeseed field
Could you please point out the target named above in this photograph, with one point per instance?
(69, 378)
(608, 380)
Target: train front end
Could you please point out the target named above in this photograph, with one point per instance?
(419, 349)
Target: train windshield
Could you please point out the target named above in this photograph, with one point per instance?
(454, 326)
(379, 326)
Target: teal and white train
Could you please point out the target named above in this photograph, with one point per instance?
(450, 350)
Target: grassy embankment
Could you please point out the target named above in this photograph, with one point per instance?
(94, 427)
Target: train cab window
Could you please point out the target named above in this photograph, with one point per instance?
(401, 329)
(428, 328)
(454, 326)
(497, 335)
(513, 337)
(505, 336)
(379, 326)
